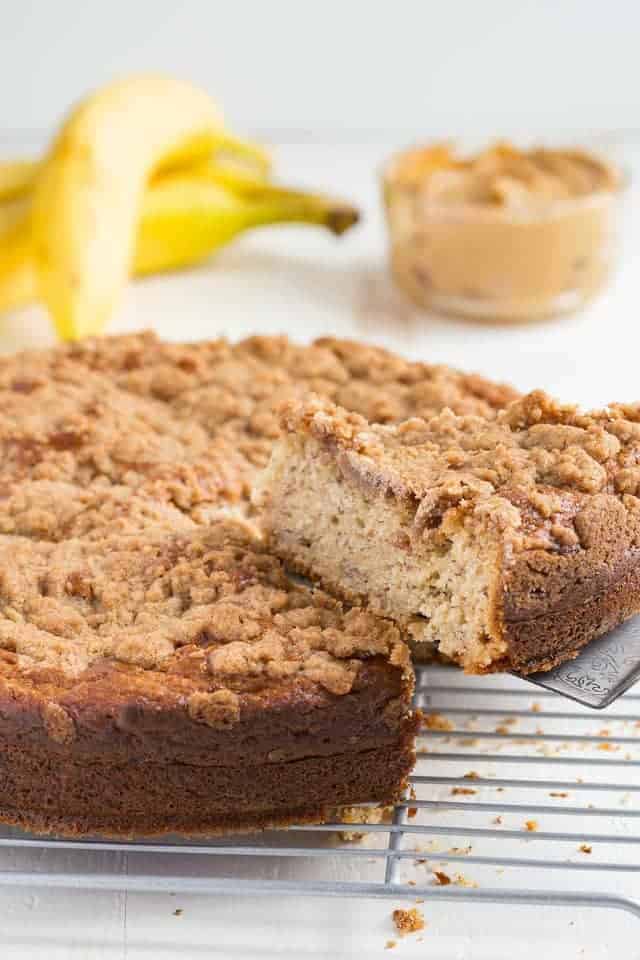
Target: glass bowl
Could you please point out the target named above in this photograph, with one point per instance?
(497, 263)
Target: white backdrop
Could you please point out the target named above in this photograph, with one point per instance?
(338, 67)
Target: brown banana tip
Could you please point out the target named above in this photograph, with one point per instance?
(341, 218)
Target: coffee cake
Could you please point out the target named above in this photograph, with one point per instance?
(158, 671)
(504, 543)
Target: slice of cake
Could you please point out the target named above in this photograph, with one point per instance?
(178, 681)
(503, 544)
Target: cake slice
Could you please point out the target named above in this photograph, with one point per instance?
(178, 681)
(504, 543)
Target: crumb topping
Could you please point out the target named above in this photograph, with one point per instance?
(209, 605)
(529, 472)
(86, 428)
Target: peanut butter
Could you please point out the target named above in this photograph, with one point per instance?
(503, 235)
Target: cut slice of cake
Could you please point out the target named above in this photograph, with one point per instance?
(178, 681)
(504, 543)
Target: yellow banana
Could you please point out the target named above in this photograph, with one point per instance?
(89, 189)
(16, 179)
(17, 275)
(183, 221)
(234, 161)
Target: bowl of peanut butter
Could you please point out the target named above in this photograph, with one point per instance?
(504, 235)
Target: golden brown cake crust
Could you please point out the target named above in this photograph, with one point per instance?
(556, 487)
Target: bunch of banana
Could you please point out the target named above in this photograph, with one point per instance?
(142, 178)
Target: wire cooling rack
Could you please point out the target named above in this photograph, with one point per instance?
(518, 796)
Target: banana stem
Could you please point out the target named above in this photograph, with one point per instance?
(290, 206)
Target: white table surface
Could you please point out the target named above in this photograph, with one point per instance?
(306, 283)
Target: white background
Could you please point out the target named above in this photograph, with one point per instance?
(355, 67)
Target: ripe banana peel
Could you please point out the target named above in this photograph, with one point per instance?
(184, 219)
(89, 189)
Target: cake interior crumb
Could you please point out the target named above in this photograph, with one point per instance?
(440, 588)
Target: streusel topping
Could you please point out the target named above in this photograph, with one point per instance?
(209, 605)
(529, 471)
(88, 427)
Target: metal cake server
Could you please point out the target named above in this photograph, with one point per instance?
(601, 672)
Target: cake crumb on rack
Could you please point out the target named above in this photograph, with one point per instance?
(585, 848)
(462, 791)
(535, 707)
(441, 879)
(436, 721)
(461, 881)
(362, 815)
(558, 793)
(178, 912)
(408, 921)
(390, 944)
(472, 775)
(531, 825)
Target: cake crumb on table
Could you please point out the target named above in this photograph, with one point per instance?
(390, 944)
(408, 921)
